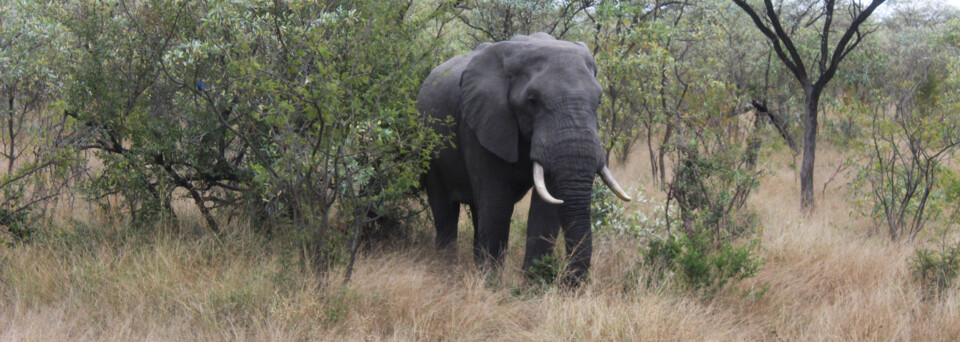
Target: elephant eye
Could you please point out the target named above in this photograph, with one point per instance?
(532, 102)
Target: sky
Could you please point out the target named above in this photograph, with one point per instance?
(888, 6)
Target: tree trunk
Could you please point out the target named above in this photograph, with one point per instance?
(663, 152)
(653, 157)
(13, 139)
(779, 123)
(811, 102)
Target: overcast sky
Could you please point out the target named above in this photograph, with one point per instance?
(954, 3)
(890, 4)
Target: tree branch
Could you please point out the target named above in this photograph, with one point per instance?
(841, 51)
(791, 64)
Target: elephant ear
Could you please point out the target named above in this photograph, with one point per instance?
(484, 102)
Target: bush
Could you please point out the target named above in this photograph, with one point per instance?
(697, 263)
(19, 225)
(703, 249)
(546, 270)
(37, 163)
(294, 115)
(543, 275)
(714, 247)
(936, 269)
(911, 131)
(900, 183)
(611, 215)
(711, 192)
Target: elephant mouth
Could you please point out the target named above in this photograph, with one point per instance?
(605, 174)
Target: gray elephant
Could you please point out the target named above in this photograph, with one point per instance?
(523, 113)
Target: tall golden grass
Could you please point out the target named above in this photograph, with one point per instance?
(826, 277)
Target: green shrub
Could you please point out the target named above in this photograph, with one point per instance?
(912, 133)
(296, 115)
(712, 191)
(19, 225)
(697, 264)
(36, 165)
(611, 215)
(546, 270)
(543, 275)
(705, 250)
(936, 269)
(907, 152)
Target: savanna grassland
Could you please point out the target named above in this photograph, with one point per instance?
(825, 277)
(213, 170)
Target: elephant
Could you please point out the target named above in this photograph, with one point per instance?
(516, 114)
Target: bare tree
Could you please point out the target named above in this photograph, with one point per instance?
(813, 77)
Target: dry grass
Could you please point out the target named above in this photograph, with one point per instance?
(826, 278)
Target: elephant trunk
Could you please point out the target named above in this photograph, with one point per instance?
(575, 169)
(569, 148)
(575, 220)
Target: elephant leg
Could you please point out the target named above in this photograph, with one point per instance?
(543, 225)
(493, 232)
(446, 214)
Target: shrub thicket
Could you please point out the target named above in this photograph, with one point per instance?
(288, 114)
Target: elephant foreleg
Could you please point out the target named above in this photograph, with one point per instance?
(543, 226)
(446, 214)
(493, 233)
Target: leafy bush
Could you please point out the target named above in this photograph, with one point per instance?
(629, 57)
(19, 225)
(543, 275)
(37, 163)
(498, 20)
(649, 62)
(715, 246)
(295, 115)
(546, 270)
(697, 262)
(712, 192)
(936, 269)
(906, 151)
(611, 215)
(911, 129)
(843, 131)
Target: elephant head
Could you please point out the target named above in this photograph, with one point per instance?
(544, 91)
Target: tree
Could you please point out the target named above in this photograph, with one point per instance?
(912, 131)
(36, 164)
(631, 41)
(297, 115)
(813, 77)
(499, 20)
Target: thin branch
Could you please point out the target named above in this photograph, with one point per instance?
(840, 51)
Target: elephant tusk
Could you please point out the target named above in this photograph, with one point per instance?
(612, 184)
(541, 188)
